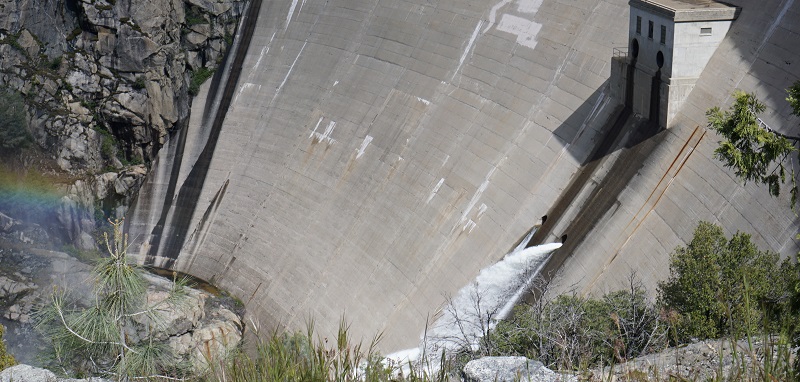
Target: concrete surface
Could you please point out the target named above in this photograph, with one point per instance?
(377, 154)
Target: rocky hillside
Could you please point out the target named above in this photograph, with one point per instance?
(105, 82)
(202, 326)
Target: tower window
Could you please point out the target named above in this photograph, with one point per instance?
(650, 30)
(705, 31)
(639, 25)
(663, 34)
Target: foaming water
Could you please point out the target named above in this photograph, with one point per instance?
(475, 309)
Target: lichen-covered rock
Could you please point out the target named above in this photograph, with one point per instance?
(510, 369)
(193, 329)
(13, 285)
(6, 222)
(27, 373)
(210, 341)
(169, 318)
(700, 361)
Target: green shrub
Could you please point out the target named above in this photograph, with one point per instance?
(721, 287)
(11, 39)
(299, 357)
(90, 104)
(6, 360)
(108, 144)
(574, 332)
(198, 77)
(13, 122)
(139, 83)
(86, 256)
(194, 16)
(55, 63)
(75, 33)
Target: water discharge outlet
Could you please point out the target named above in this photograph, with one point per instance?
(475, 309)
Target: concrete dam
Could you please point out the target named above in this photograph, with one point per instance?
(368, 158)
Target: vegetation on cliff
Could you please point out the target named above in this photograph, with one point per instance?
(6, 359)
(727, 287)
(13, 123)
(573, 332)
(718, 287)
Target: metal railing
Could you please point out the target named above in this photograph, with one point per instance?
(760, 121)
(620, 52)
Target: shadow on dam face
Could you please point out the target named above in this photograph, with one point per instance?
(378, 153)
(181, 200)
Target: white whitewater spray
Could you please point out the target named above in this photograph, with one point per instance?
(470, 314)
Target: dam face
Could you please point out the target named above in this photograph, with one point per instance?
(367, 158)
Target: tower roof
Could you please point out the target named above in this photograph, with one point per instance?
(688, 10)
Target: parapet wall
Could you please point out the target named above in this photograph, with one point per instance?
(378, 154)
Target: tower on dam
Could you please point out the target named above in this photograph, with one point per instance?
(671, 42)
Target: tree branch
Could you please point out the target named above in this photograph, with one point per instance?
(82, 338)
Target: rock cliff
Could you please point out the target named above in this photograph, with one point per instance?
(105, 82)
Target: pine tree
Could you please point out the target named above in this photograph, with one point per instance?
(98, 339)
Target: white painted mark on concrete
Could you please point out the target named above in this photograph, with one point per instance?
(469, 46)
(525, 29)
(335, 82)
(478, 194)
(278, 90)
(599, 105)
(301, 6)
(245, 86)
(482, 209)
(315, 128)
(446, 158)
(493, 14)
(289, 16)
(469, 226)
(435, 190)
(264, 51)
(326, 136)
(529, 6)
(423, 100)
(314, 132)
(364, 145)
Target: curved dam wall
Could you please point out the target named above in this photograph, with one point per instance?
(376, 155)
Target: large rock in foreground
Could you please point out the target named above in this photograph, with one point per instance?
(25, 373)
(511, 369)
